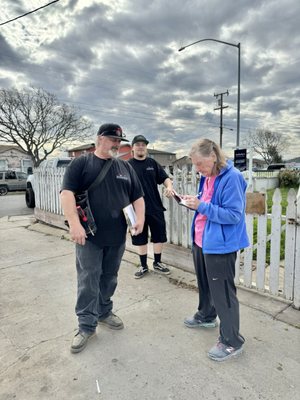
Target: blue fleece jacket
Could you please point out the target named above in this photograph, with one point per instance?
(225, 228)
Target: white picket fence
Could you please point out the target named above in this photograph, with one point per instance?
(265, 273)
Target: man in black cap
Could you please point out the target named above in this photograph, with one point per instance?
(151, 174)
(98, 257)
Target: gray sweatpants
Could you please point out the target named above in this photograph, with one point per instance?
(217, 293)
(97, 274)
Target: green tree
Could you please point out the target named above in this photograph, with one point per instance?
(275, 157)
(34, 120)
(268, 145)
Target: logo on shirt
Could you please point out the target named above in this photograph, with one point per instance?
(123, 177)
(149, 169)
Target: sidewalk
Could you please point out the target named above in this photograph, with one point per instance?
(154, 358)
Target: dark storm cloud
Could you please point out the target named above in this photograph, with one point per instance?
(122, 64)
(10, 58)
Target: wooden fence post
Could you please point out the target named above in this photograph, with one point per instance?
(296, 303)
(290, 243)
(275, 242)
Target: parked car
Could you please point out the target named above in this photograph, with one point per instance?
(276, 167)
(58, 162)
(11, 181)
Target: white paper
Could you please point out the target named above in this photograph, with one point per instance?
(130, 215)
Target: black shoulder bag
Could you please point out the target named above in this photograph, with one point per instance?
(83, 205)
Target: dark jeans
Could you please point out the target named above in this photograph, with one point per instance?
(97, 273)
(217, 293)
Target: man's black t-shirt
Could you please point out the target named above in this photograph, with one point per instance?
(119, 188)
(151, 174)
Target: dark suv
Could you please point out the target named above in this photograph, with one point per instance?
(11, 181)
(276, 167)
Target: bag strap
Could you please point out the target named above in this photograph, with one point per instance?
(101, 175)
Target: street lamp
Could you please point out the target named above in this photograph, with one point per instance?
(239, 81)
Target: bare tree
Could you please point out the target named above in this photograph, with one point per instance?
(34, 120)
(268, 145)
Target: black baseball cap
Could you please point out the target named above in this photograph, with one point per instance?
(139, 138)
(112, 130)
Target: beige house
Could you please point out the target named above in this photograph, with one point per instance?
(14, 158)
(185, 160)
(164, 158)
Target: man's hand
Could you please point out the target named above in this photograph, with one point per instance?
(137, 228)
(78, 234)
(168, 187)
(139, 208)
(168, 192)
(68, 203)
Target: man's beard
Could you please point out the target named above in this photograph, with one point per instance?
(113, 152)
(140, 155)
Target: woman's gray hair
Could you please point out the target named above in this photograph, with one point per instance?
(204, 148)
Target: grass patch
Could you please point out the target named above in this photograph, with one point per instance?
(284, 193)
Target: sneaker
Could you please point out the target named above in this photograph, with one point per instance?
(193, 322)
(80, 341)
(141, 272)
(159, 267)
(221, 352)
(112, 322)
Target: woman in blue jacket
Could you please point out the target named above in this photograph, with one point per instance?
(218, 232)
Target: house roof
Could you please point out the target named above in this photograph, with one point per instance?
(82, 147)
(152, 151)
(258, 161)
(6, 147)
(184, 158)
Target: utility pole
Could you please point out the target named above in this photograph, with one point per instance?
(220, 104)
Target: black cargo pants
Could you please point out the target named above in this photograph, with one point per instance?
(217, 293)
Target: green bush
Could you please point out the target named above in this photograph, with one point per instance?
(289, 178)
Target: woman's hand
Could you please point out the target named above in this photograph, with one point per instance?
(191, 201)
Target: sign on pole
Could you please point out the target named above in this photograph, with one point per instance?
(240, 159)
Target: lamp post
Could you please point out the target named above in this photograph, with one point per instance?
(239, 81)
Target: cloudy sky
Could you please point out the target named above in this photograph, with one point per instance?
(118, 61)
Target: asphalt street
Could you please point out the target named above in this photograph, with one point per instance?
(14, 204)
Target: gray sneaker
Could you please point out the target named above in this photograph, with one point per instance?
(80, 341)
(221, 352)
(112, 321)
(141, 272)
(192, 322)
(161, 268)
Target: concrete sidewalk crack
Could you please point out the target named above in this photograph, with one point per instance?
(151, 297)
(281, 311)
(37, 260)
(28, 349)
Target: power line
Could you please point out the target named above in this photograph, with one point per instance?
(29, 12)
